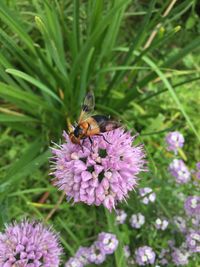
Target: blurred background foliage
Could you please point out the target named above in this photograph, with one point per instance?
(51, 53)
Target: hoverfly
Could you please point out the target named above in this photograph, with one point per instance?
(89, 125)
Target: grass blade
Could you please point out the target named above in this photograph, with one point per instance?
(136, 42)
(172, 92)
(8, 18)
(33, 81)
(120, 260)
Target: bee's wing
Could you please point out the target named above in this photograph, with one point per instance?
(89, 102)
(87, 107)
(109, 125)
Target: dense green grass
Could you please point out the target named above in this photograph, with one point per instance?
(52, 52)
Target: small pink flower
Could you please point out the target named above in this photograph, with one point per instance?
(144, 256)
(121, 216)
(174, 141)
(179, 170)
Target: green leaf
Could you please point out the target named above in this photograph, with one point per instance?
(11, 20)
(14, 118)
(51, 46)
(171, 61)
(33, 81)
(173, 94)
(84, 76)
(28, 101)
(134, 45)
(75, 30)
(25, 166)
(29, 154)
(68, 231)
(120, 260)
(94, 37)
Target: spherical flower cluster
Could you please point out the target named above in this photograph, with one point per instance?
(144, 256)
(103, 172)
(96, 255)
(147, 195)
(179, 170)
(180, 257)
(193, 241)
(105, 244)
(174, 141)
(197, 174)
(198, 165)
(192, 205)
(161, 224)
(108, 242)
(137, 220)
(121, 216)
(29, 244)
(82, 255)
(73, 262)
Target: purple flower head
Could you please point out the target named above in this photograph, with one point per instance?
(161, 224)
(29, 244)
(197, 174)
(82, 255)
(179, 170)
(108, 243)
(96, 255)
(147, 195)
(198, 165)
(196, 222)
(193, 241)
(180, 257)
(127, 252)
(121, 216)
(137, 220)
(192, 205)
(103, 172)
(144, 256)
(174, 140)
(180, 223)
(73, 262)
(164, 256)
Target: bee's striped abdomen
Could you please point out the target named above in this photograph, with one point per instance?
(105, 123)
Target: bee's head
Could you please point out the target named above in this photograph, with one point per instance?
(75, 134)
(78, 131)
(74, 139)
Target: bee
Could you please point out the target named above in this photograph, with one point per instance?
(89, 125)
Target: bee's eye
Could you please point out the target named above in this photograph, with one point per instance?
(77, 131)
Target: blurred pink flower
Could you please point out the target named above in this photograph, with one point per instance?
(174, 141)
(29, 244)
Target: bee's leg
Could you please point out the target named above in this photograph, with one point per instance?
(90, 141)
(81, 145)
(104, 138)
(83, 141)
